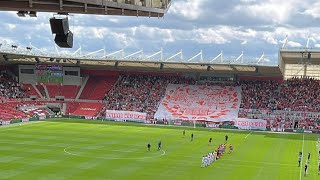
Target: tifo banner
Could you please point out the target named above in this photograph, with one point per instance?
(125, 115)
(257, 124)
(192, 102)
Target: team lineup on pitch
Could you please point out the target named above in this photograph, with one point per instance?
(105, 149)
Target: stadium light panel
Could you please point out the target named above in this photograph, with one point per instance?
(161, 66)
(5, 57)
(33, 14)
(22, 13)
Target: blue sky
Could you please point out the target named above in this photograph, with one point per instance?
(252, 26)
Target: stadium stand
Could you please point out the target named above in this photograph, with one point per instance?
(88, 109)
(97, 87)
(71, 107)
(53, 90)
(8, 112)
(68, 91)
(30, 91)
(41, 90)
(284, 104)
(9, 88)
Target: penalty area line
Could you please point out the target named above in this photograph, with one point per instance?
(248, 134)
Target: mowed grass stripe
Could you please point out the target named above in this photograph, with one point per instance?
(35, 151)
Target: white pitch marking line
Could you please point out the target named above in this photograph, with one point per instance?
(74, 154)
(302, 157)
(248, 134)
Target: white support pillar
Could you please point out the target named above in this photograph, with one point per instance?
(130, 55)
(261, 59)
(33, 47)
(77, 51)
(308, 42)
(175, 55)
(197, 55)
(240, 57)
(155, 54)
(57, 50)
(95, 52)
(285, 43)
(113, 53)
(217, 57)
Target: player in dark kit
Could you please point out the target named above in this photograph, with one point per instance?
(192, 137)
(210, 140)
(184, 133)
(305, 169)
(149, 146)
(299, 158)
(309, 155)
(159, 145)
(319, 169)
(226, 137)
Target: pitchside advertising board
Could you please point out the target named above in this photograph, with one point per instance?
(250, 124)
(125, 115)
(49, 73)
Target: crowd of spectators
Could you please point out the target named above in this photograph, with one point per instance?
(269, 100)
(259, 94)
(9, 88)
(296, 94)
(140, 93)
(143, 93)
(282, 103)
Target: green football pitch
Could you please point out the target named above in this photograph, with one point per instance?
(79, 149)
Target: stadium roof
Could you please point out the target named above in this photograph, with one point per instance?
(149, 8)
(139, 61)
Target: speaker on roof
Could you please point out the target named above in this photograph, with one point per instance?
(64, 40)
(59, 26)
(161, 66)
(309, 55)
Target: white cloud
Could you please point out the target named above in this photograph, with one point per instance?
(189, 9)
(244, 42)
(294, 44)
(7, 41)
(209, 36)
(260, 25)
(313, 10)
(269, 37)
(11, 26)
(154, 33)
(96, 34)
(271, 10)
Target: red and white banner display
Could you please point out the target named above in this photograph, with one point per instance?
(192, 102)
(243, 123)
(125, 115)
